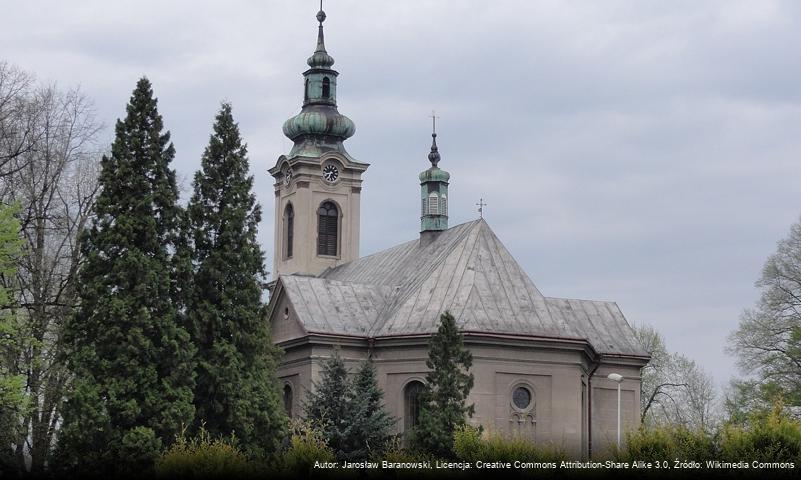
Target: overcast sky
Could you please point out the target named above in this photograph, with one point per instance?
(645, 152)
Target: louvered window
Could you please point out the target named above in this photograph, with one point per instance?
(289, 225)
(424, 207)
(443, 205)
(327, 229)
(433, 204)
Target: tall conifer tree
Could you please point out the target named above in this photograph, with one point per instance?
(237, 390)
(447, 386)
(328, 405)
(130, 357)
(370, 424)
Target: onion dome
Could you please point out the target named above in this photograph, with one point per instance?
(434, 174)
(320, 58)
(317, 122)
(319, 116)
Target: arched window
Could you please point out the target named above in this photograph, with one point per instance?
(289, 229)
(412, 402)
(288, 400)
(433, 203)
(306, 91)
(443, 205)
(327, 229)
(424, 207)
(326, 87)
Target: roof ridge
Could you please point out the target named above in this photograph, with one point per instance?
(394, 247)
(580, 299)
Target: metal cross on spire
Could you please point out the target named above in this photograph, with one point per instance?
(481, 206)
(434, 118)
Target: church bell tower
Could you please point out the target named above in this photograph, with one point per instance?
(317, 184)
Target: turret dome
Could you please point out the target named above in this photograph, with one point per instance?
(319, 122)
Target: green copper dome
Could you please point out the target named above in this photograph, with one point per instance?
(434, 174)
(319, 122)
(319, 116)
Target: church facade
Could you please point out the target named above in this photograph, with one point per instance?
(540, 363)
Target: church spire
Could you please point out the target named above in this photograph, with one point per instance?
(319, 126)
(433, 157)
(434, 190)
(320, 58)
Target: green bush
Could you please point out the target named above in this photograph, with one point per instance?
(667, 443)
(203, 457)
(771, 437)
(395, 452)
(469, 444)
(306, 446)
(138, 449)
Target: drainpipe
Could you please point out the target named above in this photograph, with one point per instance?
(589, 408)
(370, 346)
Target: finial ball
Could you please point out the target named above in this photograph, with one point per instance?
(321, 16)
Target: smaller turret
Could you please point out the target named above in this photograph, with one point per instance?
(433, 193)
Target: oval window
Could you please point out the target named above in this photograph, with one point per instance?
(521, 397)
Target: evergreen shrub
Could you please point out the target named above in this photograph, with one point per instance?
(471, 444)
(203, 457)
(306, 446)
(659, 443)
(771, 437)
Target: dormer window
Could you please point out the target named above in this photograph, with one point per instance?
(326, 87)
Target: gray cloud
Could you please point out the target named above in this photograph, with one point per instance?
(642, 152)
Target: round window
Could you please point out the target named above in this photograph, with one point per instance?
(521, 397)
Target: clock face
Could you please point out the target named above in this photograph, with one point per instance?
(288, 177)
(330, 173)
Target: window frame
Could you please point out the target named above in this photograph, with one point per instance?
(289, 230)
(411, 411)
(323, 245)
(288, 406)
(326, 88)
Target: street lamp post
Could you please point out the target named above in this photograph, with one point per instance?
(615, 377)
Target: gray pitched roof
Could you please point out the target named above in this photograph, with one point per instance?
(467, 270)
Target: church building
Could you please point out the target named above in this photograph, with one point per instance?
(541, 364)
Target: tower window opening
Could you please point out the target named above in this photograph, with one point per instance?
(306, 91)
(289, 226)
(424, 207)
(433, 204)
(327, 229)
(326, 87)
(443, 205)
